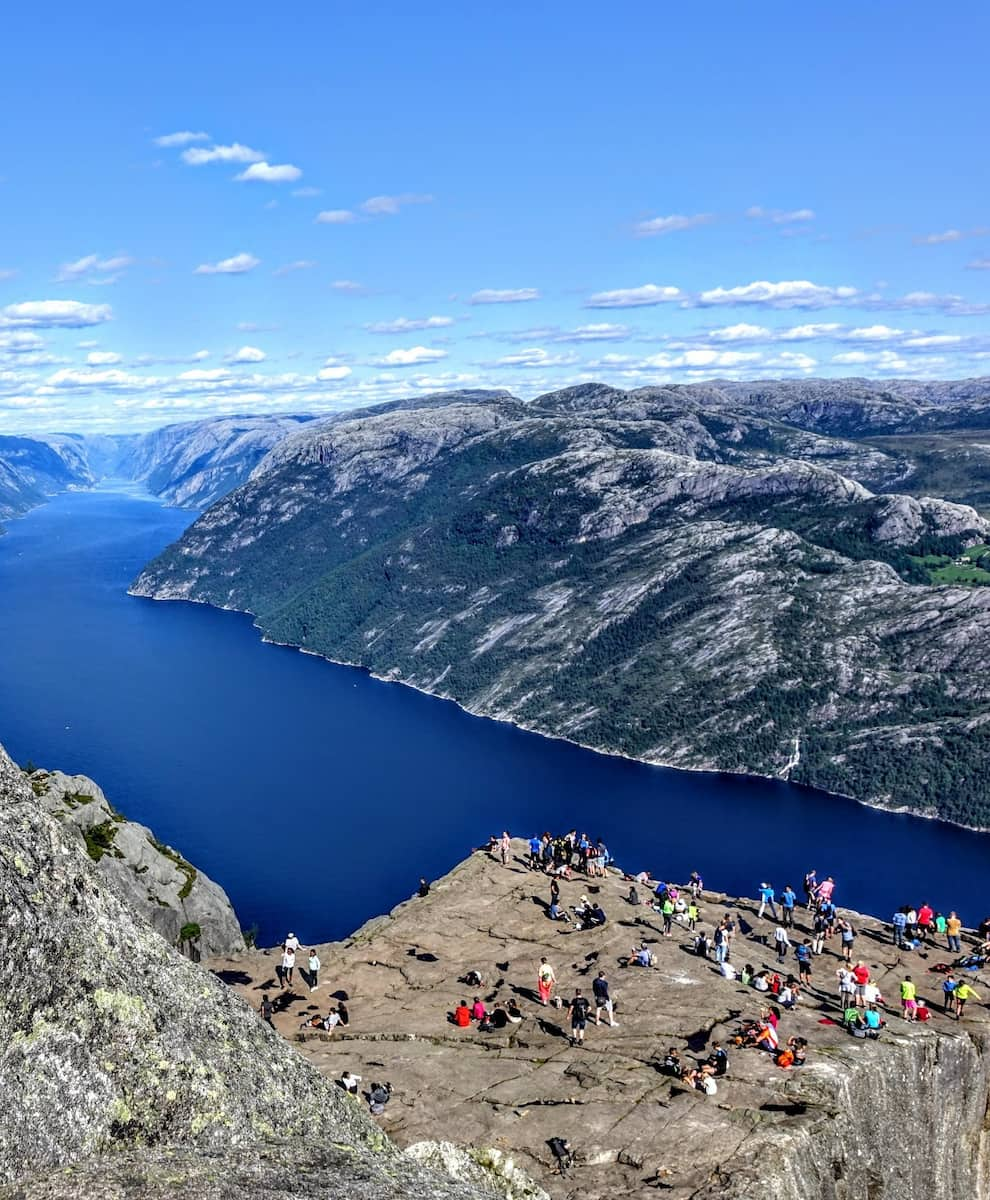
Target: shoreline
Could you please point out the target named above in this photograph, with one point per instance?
(901, 810)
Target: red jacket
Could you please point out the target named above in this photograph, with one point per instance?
(462, 1016)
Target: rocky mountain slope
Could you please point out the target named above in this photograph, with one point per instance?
(636, 571)
(192, 464)
(186, 907)
(127, 1070)
(32, 469)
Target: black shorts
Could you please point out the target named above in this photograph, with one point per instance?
(579, 1024)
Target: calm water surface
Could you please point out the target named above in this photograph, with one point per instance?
(317, 796)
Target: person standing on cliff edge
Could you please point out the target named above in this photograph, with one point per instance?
(504, 848)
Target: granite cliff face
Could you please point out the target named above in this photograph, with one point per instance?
(641, 572)
(127, 1070)
(32, 469)
(186, 907)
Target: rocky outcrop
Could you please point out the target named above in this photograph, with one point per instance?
(901, 1118)
(32, 469)
(672, 583)
(127, 1070)
(186, 907)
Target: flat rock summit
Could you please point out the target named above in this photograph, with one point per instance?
(836, 1127)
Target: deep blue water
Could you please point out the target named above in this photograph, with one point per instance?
(317, 795)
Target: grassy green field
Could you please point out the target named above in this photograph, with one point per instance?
(943, 569)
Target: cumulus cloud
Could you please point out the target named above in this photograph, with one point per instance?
(409, 324)
(90, 266)
(20, 343)
(263, 172)
(237, 265)
(335, 216)
(52, 314)
(791, 293)
(102, 358)
(198, 156)
(534, 358)
(182, 138)
(380, 206)
(333, 370)
(657, 226)
(301, 264)
(504, 295)
(637, 297)
(411, 357)
(780, 216)
(247, 354)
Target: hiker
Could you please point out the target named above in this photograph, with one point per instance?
(288, 964)
(535, 853)
(810, 888)
(343, 1015)
(788, 899)
(825, 891)
(819, 931)
(962, 993)
(462, 1015)
(767, 900)
(349, 1082)
(953, 931)
(478, 1009)
(847, 987)
(314, 970)
(899, 922)
(695, 885)
(671, 1064)
(721, 942)
(782, 942)
(925, 916)
(578, 1011)
(861, 977)
(718, 1060)
(594, 917)
(949, 985)
(424, 889)
(693, 913)
(803, 955)
(378, 1097)
(847, 936)
(872, 1021)
(633, 897)
(603, 1001)
(909, 999)
(267, 1009)
(563, 1156)
(291, 943)
(504, 848)
(546, 980)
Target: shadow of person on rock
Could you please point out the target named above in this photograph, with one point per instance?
(231, 977)
(527, 993)
(285, 1000)
(550, 1028)
(544, 904)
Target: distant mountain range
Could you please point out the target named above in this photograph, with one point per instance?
(721, 576)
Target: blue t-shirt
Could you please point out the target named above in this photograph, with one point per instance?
(803, 953)
(535, 845)
(787, 898)
(900, 919)
(872, 1019)
(766, 893)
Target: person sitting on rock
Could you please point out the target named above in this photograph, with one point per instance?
(378, 1097)
(594, 917)
(462, 1015)
(761, 981)
(639, 956)
(478, 1009)
(344, 1017)
(473, 979)
(556, 913)
(513, 1011)
(349, 1082)
(718, 1060)
(671, 1064)
(633, 897)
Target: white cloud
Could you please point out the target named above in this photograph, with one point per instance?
(306, 191)
(332, 370)
(51, 314)
(301, 264)
(347, 285)
(91, 265)
(950, 235)
(196, 156)
(804, 333)
(378, 206)
(780, 216)
(409, 324)
(656, 226)
(504, 295)
(411, 357)
(7, 273)
(237, 265)
(534, 358)
(182, 138)
(979, 264)
(247, 354)
(637, 297)
(263, 172)
(20, 343)
(740, 333)
(792, 293)
(335, 216)
(926, 341)
(102, 358)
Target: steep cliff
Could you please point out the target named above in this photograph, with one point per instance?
(186, 907)
(127, 1070)
(635, 572)
(901, 1118)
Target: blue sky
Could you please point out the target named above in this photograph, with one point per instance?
(520, 196)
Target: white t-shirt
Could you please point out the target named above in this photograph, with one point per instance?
(292, 943)
(288, 959)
